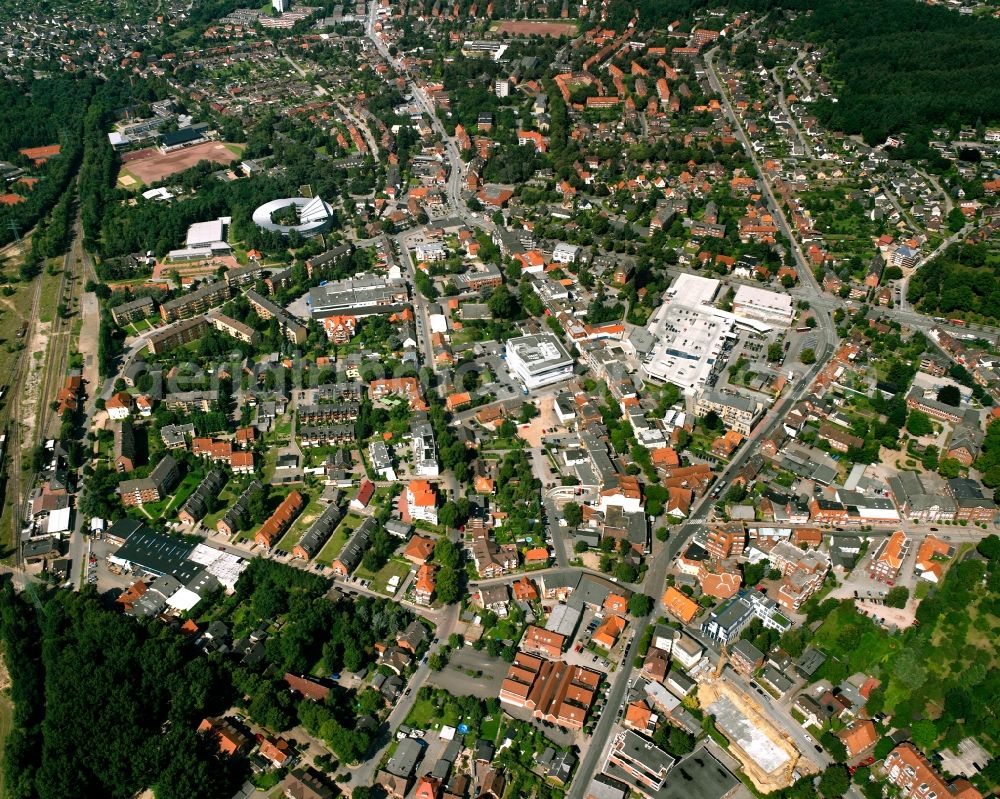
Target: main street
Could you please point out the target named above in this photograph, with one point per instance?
(450, 147)
(661, 559)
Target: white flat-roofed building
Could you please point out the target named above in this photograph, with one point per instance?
(693, 290)
(690, 344)
(565, 253)
(768, 306)
(204, 239)
(207, 234)
(360, 295)
(538, 360)
(431, 251)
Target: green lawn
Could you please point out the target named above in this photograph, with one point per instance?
(270, 463)
(283, 427)
(184, 490)
(490, 728)
(301, 524)
(422, 714)
(226, 499)
(336, 543)
(50, 292)
(855, 639)
(135, 328)
(399, 568)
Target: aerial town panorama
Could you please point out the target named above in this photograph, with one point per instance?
(497, 399)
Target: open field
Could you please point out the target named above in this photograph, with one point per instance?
(536, 27)
(157, 166)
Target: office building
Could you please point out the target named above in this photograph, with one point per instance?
(737, 412)
(538, 360)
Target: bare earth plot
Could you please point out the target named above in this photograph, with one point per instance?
(156, 166)
(536, 27)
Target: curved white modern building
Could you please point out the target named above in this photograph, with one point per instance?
(315, 216)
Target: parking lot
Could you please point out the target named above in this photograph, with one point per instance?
(98, 572)
(471, 672)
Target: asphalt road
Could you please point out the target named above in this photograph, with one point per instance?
(364, 773)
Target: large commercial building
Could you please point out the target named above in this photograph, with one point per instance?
(687, 339)
(692, 290)
(361, 295)
(538, 360)
(690, 344)
(767, 306)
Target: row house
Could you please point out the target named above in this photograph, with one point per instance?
(326, 435)
(329, 413)
(279, 521)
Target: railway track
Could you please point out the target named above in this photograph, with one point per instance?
(19, 481)
(60, 338)
(12, 415)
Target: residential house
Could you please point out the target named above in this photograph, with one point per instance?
(421, 501)
(230, 740)
(907, 769)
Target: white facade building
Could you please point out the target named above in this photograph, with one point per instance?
(538, 360)
(565, 253)
(767, 306)
(690, 344)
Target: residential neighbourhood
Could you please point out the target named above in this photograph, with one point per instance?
(493, 400)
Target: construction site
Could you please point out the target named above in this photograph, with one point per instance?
(767, 754)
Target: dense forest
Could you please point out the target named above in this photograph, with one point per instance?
(41, 113)
(898, 66)
(905, 67)
(964, 282)
(106, 706)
